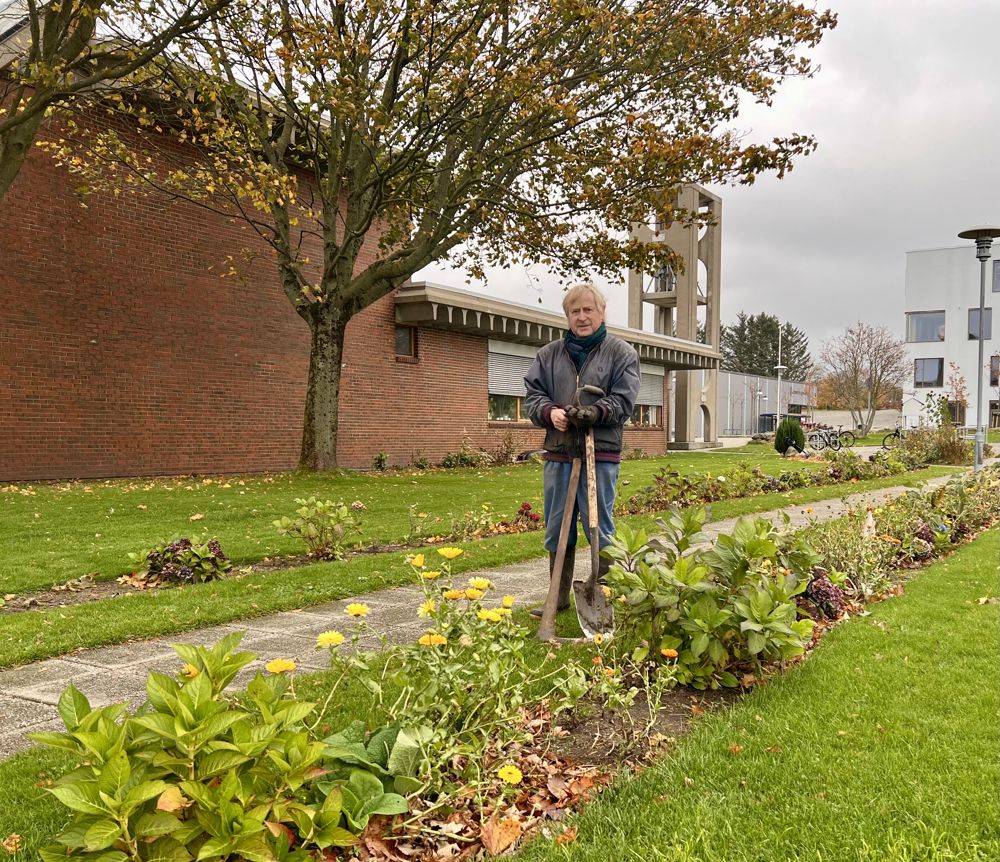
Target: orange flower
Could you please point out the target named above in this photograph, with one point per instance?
(668, 653)
(473, 594)
(450, 553)
(432, 639)
(597, 660)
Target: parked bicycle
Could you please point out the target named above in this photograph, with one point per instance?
(893, 438)
(847, 438)
(823, 437)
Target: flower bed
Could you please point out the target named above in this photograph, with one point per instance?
(671, 488)
(453, 757)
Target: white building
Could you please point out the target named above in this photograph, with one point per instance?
(942, 330)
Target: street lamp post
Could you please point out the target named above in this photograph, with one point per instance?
(779, 368)
(983, 235)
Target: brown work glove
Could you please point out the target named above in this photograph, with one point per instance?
(583, 417)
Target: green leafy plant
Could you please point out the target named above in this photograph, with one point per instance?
(179, 561)
(706, 613)
(467, 456)
(789, 433)
(322, 525)
(380, 461)
(198, 775)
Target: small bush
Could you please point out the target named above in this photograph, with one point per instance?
(789, 433)
(179, 561)
(321, 525)
(380, 461)
(505, 451)
(467, 456)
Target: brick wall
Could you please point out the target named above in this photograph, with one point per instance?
(426, 408)
(123, 352)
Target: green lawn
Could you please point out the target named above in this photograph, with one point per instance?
(42, 634)
(883, 747)
(57, 532)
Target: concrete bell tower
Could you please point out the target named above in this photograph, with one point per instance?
(677, 294)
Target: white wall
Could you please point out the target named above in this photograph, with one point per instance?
(948, 279)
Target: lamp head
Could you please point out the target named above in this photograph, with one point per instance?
(983, 234)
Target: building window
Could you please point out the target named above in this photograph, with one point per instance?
(996, 276)
(995, 370)
(928, 372)
(924, 326)
(406, 341)
(645, 416)
(974, 324)
(506, 408)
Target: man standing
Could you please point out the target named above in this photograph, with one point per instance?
(587, 355)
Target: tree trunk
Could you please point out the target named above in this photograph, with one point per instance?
(15, 144)
(319, 432)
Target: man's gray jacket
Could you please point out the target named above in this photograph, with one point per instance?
(552, 381)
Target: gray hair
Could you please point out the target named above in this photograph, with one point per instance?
(577, 290)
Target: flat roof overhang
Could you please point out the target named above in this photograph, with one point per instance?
(437, 307)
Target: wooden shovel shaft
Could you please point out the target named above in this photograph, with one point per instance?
(595, 518)
(547, 626)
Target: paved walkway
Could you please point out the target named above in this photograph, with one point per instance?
(29, 694)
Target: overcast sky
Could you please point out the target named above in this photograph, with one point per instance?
(906, 109)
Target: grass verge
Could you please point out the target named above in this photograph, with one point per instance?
(29, 636)
(56, 532)
(883, 746)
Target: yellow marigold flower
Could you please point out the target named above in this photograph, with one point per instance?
(472, 594)
(606, 590)
(429, 576)
(417, 560)
(356, 609)
(510, 774)
(668, 653)
(190, 671)
(427, 608)
(504, 612)
(450, 553)
(480, 583)
(508, 601)
(609, 671)
(598, 639)
(330, 638)
(454, 594)
(809, 510)
(279, 665)
(490, 615)
(432, 639)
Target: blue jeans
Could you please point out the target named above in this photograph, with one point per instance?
(556, 482)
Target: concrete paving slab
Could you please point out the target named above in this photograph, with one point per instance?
(122, 655)
(53, 671)
(15, 741)
(17, 714)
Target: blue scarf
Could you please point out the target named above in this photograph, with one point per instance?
(580, 348)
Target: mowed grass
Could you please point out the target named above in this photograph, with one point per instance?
(883, 747)
(45, 633)
(56, 532)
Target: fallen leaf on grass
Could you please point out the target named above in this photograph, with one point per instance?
(567, 836)
(774, 749)
(498, 835)
(12, 843)
(988, 600)
(735, 748)
(696, 710)
(689, 782)
(197, 516)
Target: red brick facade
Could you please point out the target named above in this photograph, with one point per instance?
(123, 351)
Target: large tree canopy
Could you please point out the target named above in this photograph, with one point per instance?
(54, 54)
(751, 346)
(491, 130)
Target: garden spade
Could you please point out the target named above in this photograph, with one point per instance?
(592, 608)
(547, 625)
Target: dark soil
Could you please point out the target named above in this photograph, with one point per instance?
(596, 737)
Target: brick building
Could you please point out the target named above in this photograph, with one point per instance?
(124, 352)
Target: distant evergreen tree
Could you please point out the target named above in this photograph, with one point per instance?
(751, 346)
